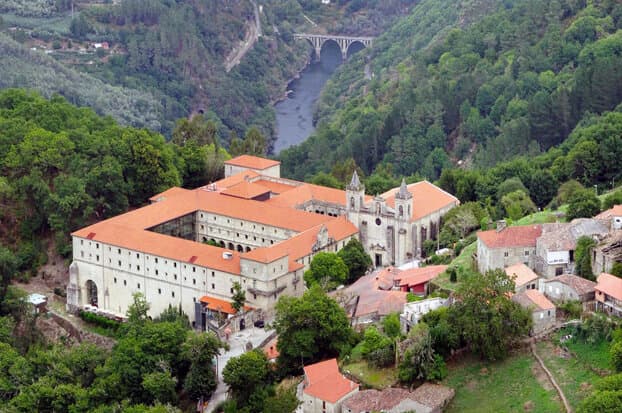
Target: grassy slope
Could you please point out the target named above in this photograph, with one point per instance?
(507, 386)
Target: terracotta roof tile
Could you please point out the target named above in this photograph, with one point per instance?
(616, 211)
(610, 285)
(325, 382)
(427, 198)
(270, 349)
(232, 180)
(246, 190)
(533, 298)
(374, 294)
(169, 193)
(252, 162)
(579, 284)
(217, 304)
(416, 276)
(510, 237)
(523, 274)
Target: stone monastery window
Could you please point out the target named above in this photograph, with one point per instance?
(351, 202)
(401, 209)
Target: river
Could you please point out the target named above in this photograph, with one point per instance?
(294, 115)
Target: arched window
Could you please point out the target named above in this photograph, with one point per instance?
(401, 209)
(352, 202)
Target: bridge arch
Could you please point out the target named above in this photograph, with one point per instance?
(344, 42)
(354, 47)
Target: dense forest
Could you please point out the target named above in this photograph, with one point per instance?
(167, 58)
(474, 85)
(62, 167)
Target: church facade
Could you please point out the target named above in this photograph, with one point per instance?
(189, 248)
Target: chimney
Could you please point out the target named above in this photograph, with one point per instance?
(501, 225)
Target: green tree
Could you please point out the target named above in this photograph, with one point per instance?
(8, 267)
(583, 204)
(391, 325)
(616, 269)
(284, 401)
(417, 355)
(161, 386)
(490, 321)
(517, 204)
(356, 259)
(326, 269)
(612, 199)
(310, 328)
(246, 373)
(201, 349)
(238, 297)
(137, 312)
(583, 257)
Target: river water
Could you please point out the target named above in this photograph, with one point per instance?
(294, 115)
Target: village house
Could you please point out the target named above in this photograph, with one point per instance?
(505, 246)
(555, 247)
(325, 388)
(608, 290)
(413, 312)
(372, 297)
(569, 287)
(427, 398)
(609, 249)
(417, 280)
(524, 278)
(189, 247)
(542, 310)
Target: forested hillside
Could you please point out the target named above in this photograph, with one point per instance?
(62, 167)
(175, 52)
(470, 82)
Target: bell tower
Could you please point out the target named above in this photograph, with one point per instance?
(355, 194)
(403, 203)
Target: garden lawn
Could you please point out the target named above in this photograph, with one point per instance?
(464, 264)
(370, 376)
(575, 375)
(517, 384)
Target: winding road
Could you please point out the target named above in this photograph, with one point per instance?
(254, 32)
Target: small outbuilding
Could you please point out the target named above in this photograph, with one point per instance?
(542, 310)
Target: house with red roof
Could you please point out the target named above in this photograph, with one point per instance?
(325, 388)
(608, 290)
(417, 280)
(524, 278)
(542, 310)
(506, 246)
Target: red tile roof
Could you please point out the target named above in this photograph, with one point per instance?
(325, 382)
(416, 276)
(232, 180)
(616, 211)
(169, 193)
(252, 162)
(510, 237)
(216, 304)
(523, 274)
(427, 198)
(246, 190)
(533, 298)
(610, 285)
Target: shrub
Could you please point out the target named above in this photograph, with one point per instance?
(99, 320)
(382, 357)
(572, 309)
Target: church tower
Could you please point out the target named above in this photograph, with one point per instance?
(355, 194)
(403, 202)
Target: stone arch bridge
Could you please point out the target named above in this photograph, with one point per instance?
(344, 42)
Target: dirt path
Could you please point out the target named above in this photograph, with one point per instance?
(532, 345)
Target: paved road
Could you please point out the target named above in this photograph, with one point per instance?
(237, 344)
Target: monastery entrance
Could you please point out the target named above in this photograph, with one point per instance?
(91, 292)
